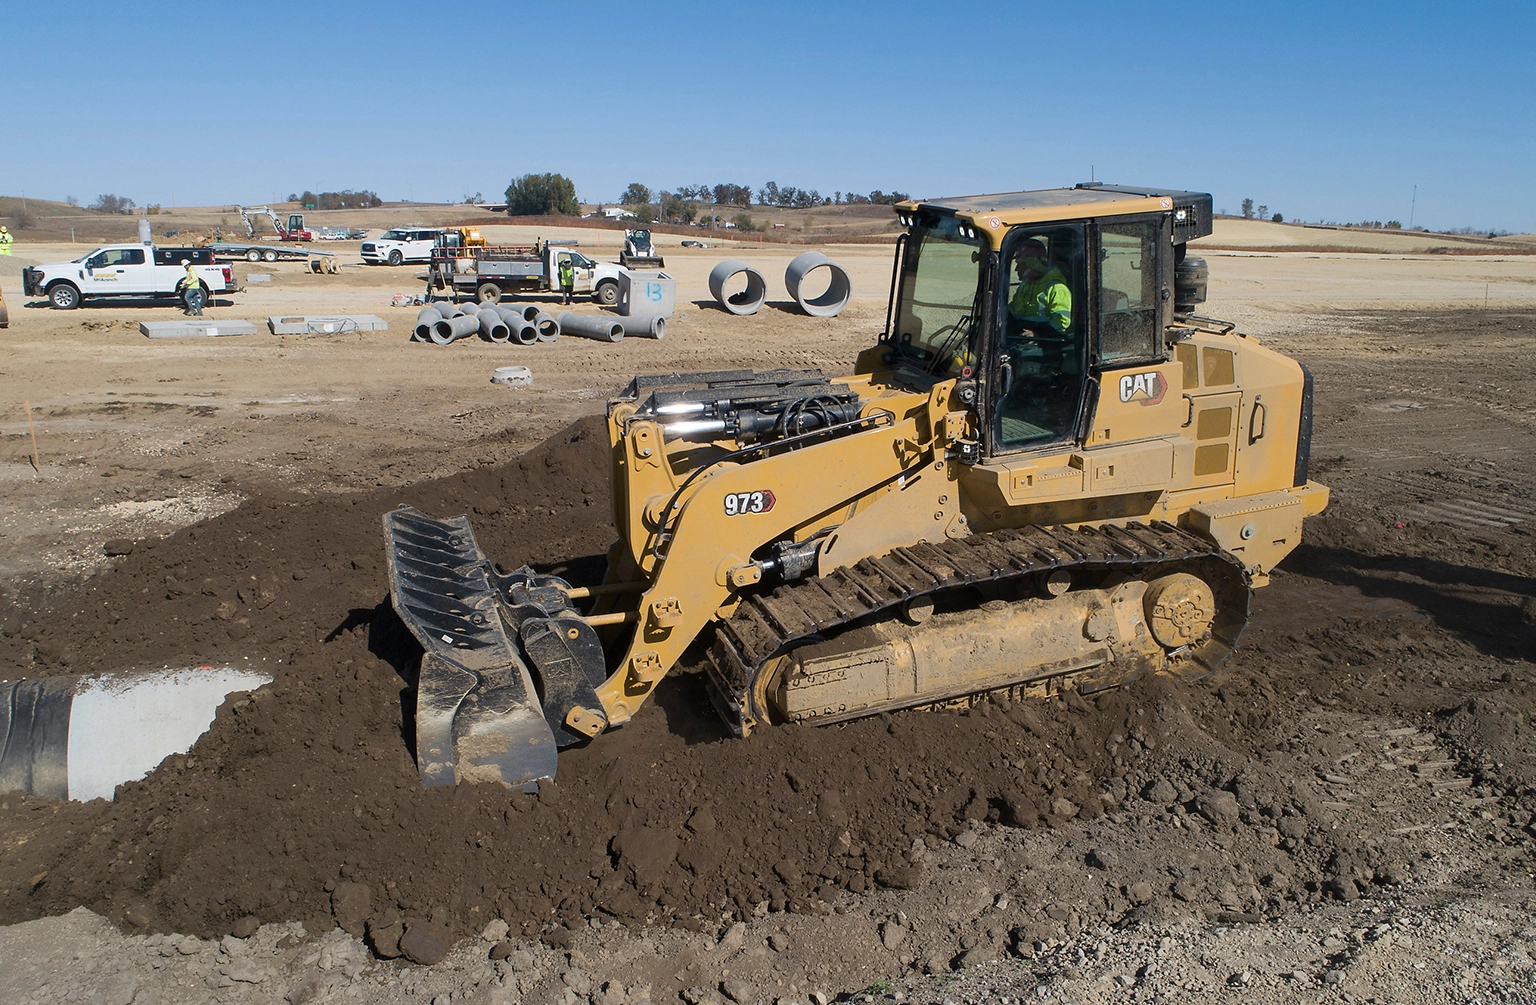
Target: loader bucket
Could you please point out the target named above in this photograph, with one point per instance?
(505, 657)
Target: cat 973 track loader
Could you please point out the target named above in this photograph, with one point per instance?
(1049, 473)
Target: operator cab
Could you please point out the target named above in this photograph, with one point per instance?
(1027, 297)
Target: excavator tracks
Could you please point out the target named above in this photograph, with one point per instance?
(769, 625)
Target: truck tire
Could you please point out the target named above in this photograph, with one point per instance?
(64, 296)
(270, 255)
(395, 258)
(253, 255)
(489, 292)
(607, 293)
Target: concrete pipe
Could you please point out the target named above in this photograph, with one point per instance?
(642, 327)
(465, 311)
(748, 300)
(82, 737)
(486, 305)
(493, 326)
(547, 327)
(587, 326)
(452, 329)
(522, 330)
(828, 304)
(424, 321)
(528, 311)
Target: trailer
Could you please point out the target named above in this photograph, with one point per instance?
(319, 261)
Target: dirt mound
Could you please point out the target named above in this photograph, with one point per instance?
(303, 802)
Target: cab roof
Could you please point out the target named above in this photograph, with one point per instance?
(1192, 210)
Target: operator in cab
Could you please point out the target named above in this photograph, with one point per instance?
(1043, 301)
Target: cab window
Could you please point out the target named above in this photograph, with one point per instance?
(1130, 290)
(116, 256)
(1041, 360)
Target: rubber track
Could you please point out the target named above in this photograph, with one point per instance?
(768, 624)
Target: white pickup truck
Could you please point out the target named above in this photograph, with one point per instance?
(141, 271)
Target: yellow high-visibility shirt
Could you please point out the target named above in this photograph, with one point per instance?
(1044, 299)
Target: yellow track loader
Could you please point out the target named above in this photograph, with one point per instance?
(1049, 473)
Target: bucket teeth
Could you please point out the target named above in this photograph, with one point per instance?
(478, 717)
(494, 646)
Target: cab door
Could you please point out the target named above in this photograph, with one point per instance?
(585, 268)
(118, 270)
(98, 276)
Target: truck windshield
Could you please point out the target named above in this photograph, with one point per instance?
(395, 235)
(937, 315)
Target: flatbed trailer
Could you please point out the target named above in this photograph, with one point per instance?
(224, 251)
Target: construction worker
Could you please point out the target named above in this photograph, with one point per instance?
(567, 277)
(1043, 302)
(5, 240)
(192, 291)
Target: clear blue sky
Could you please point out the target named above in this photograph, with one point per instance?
(1318, 110)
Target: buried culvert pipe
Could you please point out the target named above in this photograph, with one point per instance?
(82, 737)
(746, 301)
(587, 326)
(455, 328)
(828, 304)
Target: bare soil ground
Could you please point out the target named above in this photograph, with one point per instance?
(1343, 812)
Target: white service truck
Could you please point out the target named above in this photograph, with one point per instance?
(489, 271)
(140, 271)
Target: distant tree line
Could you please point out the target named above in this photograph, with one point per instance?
(111, 204)
(788, 196)
(1259, 213)
(345, 199)
(771, 194)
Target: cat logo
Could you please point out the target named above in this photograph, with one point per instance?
(1147, 388)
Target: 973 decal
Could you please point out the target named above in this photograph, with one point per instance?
(742, 503)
